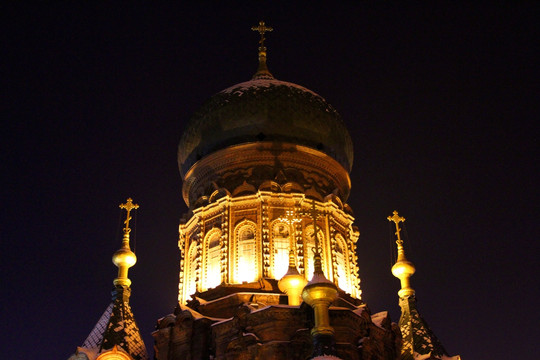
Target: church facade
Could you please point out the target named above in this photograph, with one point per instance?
(268, 247)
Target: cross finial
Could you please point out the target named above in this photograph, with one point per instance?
(262, 71)
(314, 214)
(262, 29)
(124, 258)
(128, 206)
(397, 219)
(403, 268)
(290, 219)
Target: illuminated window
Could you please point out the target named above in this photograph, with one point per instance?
(246, 253)
(213, 259)
(191, 278)
(309, 248)
(342, 264)
(280, 249)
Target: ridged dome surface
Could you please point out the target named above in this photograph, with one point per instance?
(265, 110)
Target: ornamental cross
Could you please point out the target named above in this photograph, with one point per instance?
(128, 206)
(315, 215)
(397, 219)
(261, 29)
(290, 219)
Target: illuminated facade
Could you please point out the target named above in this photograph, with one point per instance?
(245, 238)
(268, 247)
(268, 264)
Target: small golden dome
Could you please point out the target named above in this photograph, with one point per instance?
(124, 257)
(403, 269)
(292, 284)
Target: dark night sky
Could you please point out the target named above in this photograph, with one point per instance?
(441, 100)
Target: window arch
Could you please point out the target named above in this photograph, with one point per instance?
(212, 259)
(309, 248)
(280, 248)
(191, 278)
(247, 265)
(342, 265)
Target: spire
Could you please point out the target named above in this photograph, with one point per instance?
(262, 71)
(418, 340)
(116, 333)
(124, 258)
(402, 269)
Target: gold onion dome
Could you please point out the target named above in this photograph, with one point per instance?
(265, 109)
(319, 288)
(124, 257)
(292, 283)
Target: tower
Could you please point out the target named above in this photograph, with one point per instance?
(116, 335)
(265, 167)
(418, 341)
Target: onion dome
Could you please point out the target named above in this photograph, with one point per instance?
(265, 109)
(292, 283)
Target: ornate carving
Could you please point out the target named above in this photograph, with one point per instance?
(295, 168)
(228, 212)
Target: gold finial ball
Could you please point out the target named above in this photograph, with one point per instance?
(403, 269)
(124, 258)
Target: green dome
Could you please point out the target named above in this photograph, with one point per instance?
(265, 110)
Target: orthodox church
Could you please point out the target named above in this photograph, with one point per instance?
(268, 246)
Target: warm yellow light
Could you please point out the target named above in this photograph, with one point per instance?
(343, 278)
(191, 284)
(213, 272)
(245, 270)
(247, 257)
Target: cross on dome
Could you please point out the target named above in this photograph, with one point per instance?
(397, 219)
(262, 29)
(262, 71)
(128, 206)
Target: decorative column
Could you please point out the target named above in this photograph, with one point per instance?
(224, 241)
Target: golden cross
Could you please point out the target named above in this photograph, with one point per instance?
(128, 206)
(262, 28)
(314, 214)
(290, 219)
(397, 219)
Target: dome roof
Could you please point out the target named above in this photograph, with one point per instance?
(265, 109)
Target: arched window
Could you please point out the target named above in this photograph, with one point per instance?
(191, 278)
(280, 249)
(246, 253)
(213, 259)
(342, 264)
(309, 248)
